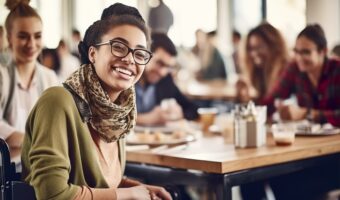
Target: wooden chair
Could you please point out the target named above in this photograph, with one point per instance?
(11, 186)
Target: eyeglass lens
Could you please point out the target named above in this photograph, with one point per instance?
(121, 50)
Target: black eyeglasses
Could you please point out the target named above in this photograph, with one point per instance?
(121, 50)
(303, 52)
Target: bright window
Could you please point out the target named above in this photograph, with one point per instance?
(289, 16)
(190, 15)
(50, 13)
(3, 12)
(89, 12)
(245, 18)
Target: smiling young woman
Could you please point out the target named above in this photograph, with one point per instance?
(23, 79)
(74, 147)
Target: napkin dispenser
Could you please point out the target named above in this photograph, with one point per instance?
(250, 129)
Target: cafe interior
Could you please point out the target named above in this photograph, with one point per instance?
(235, 100)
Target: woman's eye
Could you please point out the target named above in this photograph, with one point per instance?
(23, 37)
(118, 47)
(140, 55)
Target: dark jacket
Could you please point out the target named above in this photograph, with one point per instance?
(166, 88)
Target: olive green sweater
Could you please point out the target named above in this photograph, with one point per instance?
(58, 154)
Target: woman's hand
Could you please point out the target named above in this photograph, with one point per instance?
(291, 112)
(140, 192)
(143, 192)
(171, 110)
(158, 193)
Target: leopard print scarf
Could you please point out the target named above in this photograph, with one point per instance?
(112, 120)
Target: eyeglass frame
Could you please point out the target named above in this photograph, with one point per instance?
(303, 52)
(129, 50)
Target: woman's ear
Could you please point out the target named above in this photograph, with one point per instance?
(92, 54)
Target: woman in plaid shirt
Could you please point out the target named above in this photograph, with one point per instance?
(313, 78)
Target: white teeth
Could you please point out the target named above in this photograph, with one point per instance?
(124, 71)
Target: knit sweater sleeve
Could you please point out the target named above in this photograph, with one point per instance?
(45, 157)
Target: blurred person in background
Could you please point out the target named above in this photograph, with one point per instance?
(335, 53)
(262, 61)
(75, 39)
(81, 127)
(212, 63)
(264, 57)
(50, 59)
(236, 40)
(68, 62)
(157, 84)
(313, 78)
(5, 55)
(24, 79)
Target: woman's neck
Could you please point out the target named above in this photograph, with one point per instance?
(26, 71)
(114, 96)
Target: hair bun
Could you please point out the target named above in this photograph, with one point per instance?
(12, 4)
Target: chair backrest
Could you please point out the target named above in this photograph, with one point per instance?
(11, 186)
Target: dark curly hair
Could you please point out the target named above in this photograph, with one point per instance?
(99, 28)
(120, 9)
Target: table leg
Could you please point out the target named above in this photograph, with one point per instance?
(224, 189)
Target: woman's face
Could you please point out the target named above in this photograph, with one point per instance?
(307, 55)
(258, 50)
(25, 39)
(118, 74)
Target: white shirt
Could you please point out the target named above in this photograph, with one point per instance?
(24, 99)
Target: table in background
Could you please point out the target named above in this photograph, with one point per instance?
(209, 160)
(210, 90)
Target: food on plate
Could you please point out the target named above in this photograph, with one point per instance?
(159, 136)
(145, 137)
(178, 134)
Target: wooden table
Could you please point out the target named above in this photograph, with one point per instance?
(210, 90)
(216, 161)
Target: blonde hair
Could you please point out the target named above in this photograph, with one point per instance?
(18, 9)
(276, 61)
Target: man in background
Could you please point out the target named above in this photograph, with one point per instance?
(158, 98)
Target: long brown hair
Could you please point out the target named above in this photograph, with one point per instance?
(18, 9)
(276, 61)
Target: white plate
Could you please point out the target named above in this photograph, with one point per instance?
(320, 132)
(163, 129)
(153, 140)
(175, 132)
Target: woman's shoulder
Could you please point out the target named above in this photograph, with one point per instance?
(56, 96)
(292, 67)
(334, 63)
